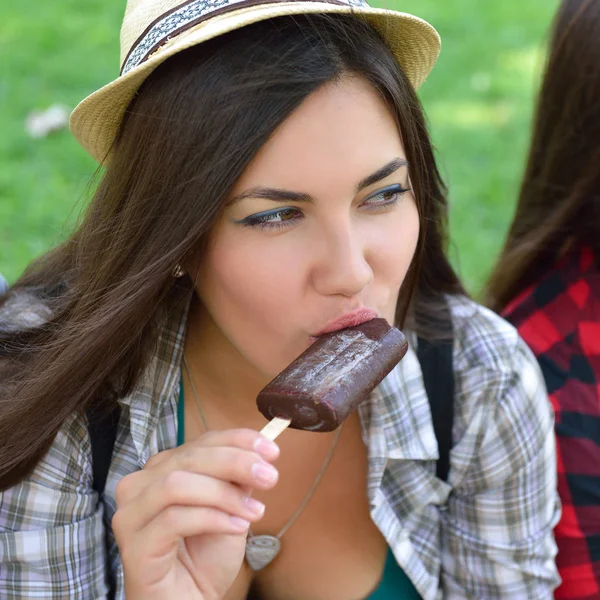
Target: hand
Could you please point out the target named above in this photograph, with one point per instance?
(181, 522)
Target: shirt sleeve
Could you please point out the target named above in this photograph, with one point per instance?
(51, 526)
(498, 532)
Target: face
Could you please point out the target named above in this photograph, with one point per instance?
(321, 224)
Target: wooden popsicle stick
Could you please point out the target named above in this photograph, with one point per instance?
(275, 427)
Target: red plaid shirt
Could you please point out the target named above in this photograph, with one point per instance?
(559, 317)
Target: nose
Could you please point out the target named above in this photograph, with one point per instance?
(341, 266)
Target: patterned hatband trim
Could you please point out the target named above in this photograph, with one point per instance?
(189, 15)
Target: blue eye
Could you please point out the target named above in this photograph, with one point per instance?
(387, 197)
(273, 219)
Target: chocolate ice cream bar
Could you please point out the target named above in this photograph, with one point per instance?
(328, 381)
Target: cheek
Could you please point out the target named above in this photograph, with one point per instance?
(253, 295)
(252, 278)
(394, 245)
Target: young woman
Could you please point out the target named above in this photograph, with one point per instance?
(547, 281)
(268, 177)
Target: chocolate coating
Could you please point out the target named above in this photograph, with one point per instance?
(328, 381)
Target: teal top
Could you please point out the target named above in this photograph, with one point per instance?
(394, 584)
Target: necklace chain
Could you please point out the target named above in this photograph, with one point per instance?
(315, 483)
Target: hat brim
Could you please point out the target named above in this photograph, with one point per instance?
(95, 121)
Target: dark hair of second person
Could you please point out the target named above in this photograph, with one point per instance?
(559, 201)
(547, 281)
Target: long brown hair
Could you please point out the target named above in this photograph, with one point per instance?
(188, 135)
(559, 201)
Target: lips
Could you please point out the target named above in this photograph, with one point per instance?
(348, 320)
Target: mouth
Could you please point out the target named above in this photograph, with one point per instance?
(352, 319)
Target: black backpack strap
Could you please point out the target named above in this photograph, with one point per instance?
(438, 376)
(103, 434)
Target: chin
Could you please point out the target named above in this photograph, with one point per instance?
(284, 359)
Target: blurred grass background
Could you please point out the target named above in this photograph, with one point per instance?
(479, 101)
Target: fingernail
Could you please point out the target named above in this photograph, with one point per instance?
(266, 448)
(254, 506)
(240, 524)
(264, 472)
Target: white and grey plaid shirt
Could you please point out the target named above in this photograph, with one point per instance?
(485, 534)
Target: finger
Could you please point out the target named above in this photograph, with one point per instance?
(176, 523)
(245, 439)
(227, 464)
(191, 457)
(181, 488)
(157, 459)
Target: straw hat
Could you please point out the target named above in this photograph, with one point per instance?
(154, 30)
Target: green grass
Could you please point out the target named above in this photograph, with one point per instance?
(478, 99)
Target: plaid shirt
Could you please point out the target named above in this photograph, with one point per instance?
(559, 317)
(487, 533)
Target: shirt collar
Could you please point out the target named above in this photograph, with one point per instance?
(160, 381)
(396, 420)
(398, 432)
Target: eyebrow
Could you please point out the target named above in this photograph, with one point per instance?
(278, 195)
(382, 173)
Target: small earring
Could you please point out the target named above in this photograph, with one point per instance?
(178, 271)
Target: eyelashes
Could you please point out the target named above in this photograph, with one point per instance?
(273, 219)
(386, 197)
(280, 218)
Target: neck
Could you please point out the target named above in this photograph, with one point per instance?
(226, 383)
